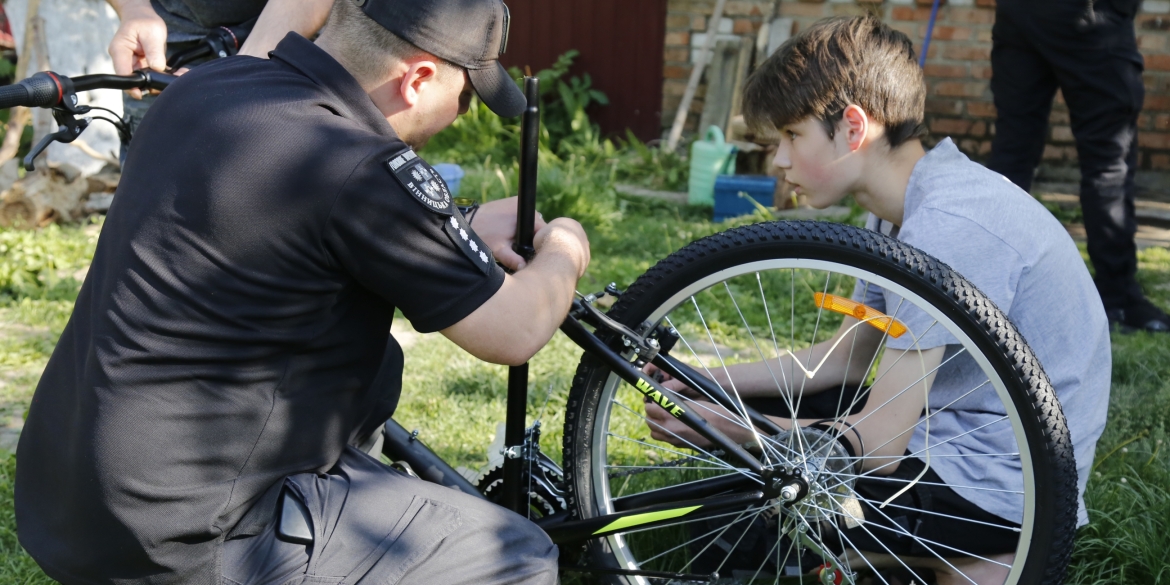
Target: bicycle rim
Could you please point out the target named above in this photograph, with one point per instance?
(756, 310)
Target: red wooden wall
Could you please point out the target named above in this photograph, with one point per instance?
(621, 49)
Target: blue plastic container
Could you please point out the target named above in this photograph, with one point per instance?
(451, 174)
(734, 194)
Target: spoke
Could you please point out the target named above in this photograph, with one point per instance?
(688, 468)
(899, 558)
(941, 515)
(691, 383)
(689, 444)
(730, 381)
(672, 451)
(742, 408)
(899, 530)
(695, 539)
(931, 415)
(733, 547)
(901, 458)
(954, 487)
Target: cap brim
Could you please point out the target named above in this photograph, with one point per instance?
(495, 87)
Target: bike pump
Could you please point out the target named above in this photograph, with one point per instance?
(515, 498)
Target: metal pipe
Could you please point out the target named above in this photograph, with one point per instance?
(514, 497)
(529, 147)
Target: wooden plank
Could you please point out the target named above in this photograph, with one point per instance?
(718, 99)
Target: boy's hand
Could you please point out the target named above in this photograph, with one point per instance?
(676, 386)
(665, 427)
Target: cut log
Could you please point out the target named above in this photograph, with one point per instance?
(42, 198)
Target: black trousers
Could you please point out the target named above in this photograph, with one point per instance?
(1093, 59)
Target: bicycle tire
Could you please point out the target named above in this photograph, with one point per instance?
(1048, 466)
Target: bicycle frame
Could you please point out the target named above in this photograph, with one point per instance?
(662, 506)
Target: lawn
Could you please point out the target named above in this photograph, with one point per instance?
(456, 402)
(1128, 499)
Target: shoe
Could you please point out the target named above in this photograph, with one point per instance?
(1139, 316)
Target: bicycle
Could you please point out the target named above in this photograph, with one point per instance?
(646, 512)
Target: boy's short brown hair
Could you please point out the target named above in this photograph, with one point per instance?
(834, 63)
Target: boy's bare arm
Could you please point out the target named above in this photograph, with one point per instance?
(846, 357)
(895, 402)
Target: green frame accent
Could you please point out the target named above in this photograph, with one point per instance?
(646, 518)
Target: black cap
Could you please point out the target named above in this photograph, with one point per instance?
(469, 33)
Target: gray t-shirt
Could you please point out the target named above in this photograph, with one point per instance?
(189, 20)
(1009, 246)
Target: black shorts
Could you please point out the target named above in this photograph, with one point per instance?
(930, 511)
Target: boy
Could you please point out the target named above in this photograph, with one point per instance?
(847, 97)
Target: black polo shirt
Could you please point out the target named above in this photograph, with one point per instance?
(235, 317)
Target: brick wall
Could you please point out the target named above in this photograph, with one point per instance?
(958, 67)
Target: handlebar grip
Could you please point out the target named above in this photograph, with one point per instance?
(43, 90)
(12, 96)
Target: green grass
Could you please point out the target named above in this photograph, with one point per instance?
(456, 401)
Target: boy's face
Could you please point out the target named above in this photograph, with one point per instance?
(822, 169)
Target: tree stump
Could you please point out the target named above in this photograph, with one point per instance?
(53, 195)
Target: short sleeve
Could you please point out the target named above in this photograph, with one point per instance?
(403, 251)
(969, 249)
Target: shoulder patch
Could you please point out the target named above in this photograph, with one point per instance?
(466, 240)
(421, 181)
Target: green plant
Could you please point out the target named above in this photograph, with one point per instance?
(651, 167)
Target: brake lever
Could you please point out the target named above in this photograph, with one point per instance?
(68, 130)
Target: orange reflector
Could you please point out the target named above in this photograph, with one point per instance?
(858, 311)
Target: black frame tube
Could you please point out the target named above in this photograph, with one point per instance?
(592, 345)
(401, 445)
(694, 379)
(516, 419)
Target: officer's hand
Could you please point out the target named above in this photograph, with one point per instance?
(140, 42)
(565, 236)
(495, 223)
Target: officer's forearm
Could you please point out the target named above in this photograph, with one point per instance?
(525, 313)
(279, 17)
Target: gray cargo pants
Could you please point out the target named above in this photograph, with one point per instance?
(375, 526)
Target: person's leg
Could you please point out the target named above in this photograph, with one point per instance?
(925, 527)
(1102, 84)
(375, 526)
(1022, 85)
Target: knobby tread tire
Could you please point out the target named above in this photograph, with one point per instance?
(1031, 392)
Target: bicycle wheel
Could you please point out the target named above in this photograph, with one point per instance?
(763, 292)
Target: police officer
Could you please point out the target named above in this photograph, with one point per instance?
(1088, 50)
(272, 217)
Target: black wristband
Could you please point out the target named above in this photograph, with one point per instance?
(468, 211)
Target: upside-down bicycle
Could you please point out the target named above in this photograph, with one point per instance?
(787, 505)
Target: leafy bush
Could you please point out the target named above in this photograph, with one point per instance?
(577, 167)
(43, 264)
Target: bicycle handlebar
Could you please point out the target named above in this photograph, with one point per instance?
(47, 89)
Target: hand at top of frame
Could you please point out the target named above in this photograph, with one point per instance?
(141, 40)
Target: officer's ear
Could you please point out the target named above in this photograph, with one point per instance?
(419, 75)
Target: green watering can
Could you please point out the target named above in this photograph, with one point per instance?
(710, 156)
